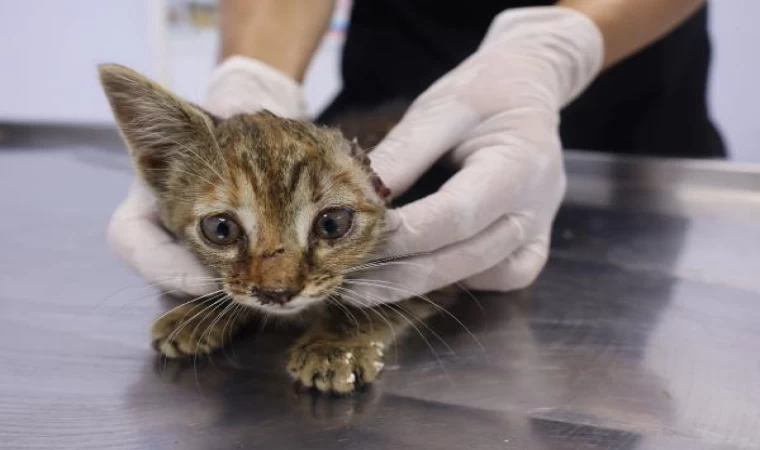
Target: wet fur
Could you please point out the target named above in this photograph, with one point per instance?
(273, 175)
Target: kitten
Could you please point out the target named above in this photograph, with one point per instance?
(281, 210)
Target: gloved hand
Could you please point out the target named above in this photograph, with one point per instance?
(238, 85)
(494, 117)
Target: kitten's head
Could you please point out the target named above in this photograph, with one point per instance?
(280, 209)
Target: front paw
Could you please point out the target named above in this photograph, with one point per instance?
(184, 332)
(333, 365)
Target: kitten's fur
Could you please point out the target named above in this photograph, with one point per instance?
(273, 177)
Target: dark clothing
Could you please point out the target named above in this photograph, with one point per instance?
(653, 103)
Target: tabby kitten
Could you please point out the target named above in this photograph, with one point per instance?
(281, 210)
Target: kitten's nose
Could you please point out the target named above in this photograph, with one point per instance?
(276, 296)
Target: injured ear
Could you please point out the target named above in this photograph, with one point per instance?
(361, 157)
(157, 125)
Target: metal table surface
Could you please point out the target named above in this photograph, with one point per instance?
(642, 333)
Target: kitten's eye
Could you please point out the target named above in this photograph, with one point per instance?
(333, 223)
(220, 229)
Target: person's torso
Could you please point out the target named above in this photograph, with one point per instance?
(654, 102)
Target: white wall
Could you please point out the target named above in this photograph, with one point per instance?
(735, 79)
(49, 50)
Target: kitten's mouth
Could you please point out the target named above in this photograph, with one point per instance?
(294, 306)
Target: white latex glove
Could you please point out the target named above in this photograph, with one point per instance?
(495, 117)
(238, 85)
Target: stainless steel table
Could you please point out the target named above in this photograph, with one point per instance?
(642, 333)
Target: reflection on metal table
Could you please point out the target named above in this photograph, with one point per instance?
(642, 333)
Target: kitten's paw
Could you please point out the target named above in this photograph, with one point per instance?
(336, 366)
(184, 332)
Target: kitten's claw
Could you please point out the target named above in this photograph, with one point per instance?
(335, 366)
(181, 333)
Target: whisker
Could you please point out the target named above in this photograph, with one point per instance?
(238, 309)
(209, 310)
(208, 331)
(185, 322)
(331, 300)
(216, 320)
(420, 321)
(393, 261)
(154, 295)
(472, 297)
(210, 296)
(347, 294)
(419, 332)
(143, 287)
(427, 342)
(182, 322)
(388, 259)
(361, 309)
(424, 324)
(391, 286)
(264, 322)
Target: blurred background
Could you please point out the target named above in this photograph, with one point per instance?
(50, 49)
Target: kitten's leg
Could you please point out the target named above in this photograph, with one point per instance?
(197, 329)
(345, 349)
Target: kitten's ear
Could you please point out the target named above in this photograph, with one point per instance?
(155, 123)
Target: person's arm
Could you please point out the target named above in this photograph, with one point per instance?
(281, 33)
(630, 25)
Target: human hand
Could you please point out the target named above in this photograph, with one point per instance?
(238, 85)
(495, 118)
